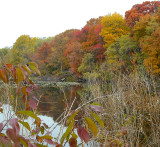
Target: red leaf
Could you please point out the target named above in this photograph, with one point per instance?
(32, 104)
(83, 134)
(1, 126)
(29, 89)
(14, 123)
(35, 86)
(5, 140)
(97, 108)
(49, 141)
(46, 126)
(13, 72)
(35, 98)
(11, 134)
(18, 88)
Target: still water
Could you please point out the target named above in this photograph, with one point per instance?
(52, 103)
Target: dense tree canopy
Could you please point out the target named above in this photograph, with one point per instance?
(22, 49)
(139, 10)
(147, 32)
(113, 27)
(119, 44)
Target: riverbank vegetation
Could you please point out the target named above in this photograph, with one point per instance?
(120, 60)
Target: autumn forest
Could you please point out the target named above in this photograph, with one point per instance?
(104, 44)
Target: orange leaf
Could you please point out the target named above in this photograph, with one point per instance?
(4, 75)
(73, 142)
(24, 91)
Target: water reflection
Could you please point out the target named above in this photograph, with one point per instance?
(52, 100)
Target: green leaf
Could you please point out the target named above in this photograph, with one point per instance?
(25, 124)
(92, 126)
(72, 117)
(32, 64)
(23, 142)
(46, 137)
(29, 113)
(98, 120)
(68, 131)
(40, 145)
(96, 104)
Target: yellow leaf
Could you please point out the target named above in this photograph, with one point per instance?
(98, 120)
(26, 69)
(12, 97)
(33, 66)
(92, 126)
(19, 74)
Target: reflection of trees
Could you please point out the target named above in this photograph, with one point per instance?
(8, 96)
(53, 100)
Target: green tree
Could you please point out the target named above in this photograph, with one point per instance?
(124, 53)
(4, 54)
(88, 63)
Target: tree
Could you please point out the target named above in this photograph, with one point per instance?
(90, 39)
(113, 27)
(88, 63)
(139, 10)
(151, 47)
(146, 26)
(74, 54)
(42, 57)
(23, 49)
(124, 53)
(59, 45)
(146, 31)
(4, 54)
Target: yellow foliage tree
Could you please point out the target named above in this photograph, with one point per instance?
(22, 49)
(113, 27)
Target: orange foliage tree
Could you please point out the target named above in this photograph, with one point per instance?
(74, 54)
(140, 10)
(151, 46)
(147, 32)
(59, 45)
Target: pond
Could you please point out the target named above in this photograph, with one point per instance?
(52, 102)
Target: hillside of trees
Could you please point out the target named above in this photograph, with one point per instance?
(106, 44)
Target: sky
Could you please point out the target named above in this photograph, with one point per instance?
(46, 18)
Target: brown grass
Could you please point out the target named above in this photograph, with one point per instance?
(131, 111)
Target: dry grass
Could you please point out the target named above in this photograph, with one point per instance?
(131, 111)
